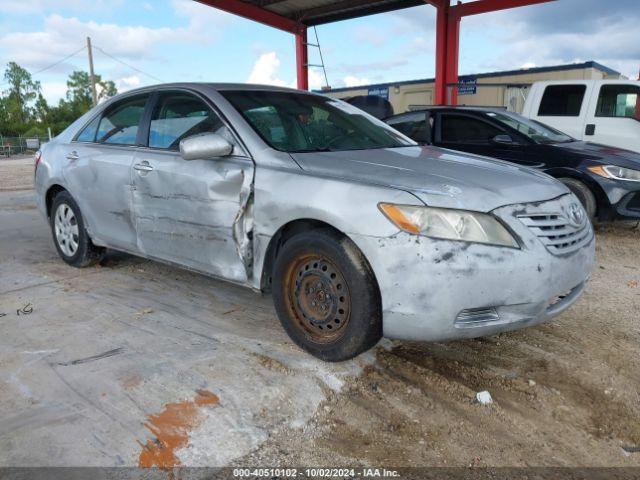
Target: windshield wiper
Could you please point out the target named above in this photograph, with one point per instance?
(316, 149)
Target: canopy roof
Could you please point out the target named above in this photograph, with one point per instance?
(295, 16)
(316, 12)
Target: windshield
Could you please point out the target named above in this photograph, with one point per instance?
(299, 122)
(536, 131)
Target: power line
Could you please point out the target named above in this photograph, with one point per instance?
(128, 65)
(52, 65)
(58, 62)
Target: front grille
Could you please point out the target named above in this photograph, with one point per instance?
(475, 316)
(557, 233)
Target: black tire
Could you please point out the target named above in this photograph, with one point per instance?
(584, 194)
(342, 317)
(85, 253)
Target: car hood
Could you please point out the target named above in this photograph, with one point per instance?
(602, 154)
(437, 176)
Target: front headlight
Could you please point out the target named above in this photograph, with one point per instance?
(449, 224)
(617, 173)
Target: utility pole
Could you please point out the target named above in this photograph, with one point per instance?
(92, 78)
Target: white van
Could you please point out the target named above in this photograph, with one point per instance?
(599, 111)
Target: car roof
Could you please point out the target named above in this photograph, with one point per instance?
(471, 109)
(216, 86)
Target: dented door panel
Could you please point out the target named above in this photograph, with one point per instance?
(194, 212)
(100, 182)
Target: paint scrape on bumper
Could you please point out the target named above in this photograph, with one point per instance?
(443, 290)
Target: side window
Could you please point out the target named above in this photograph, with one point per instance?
(181, 115)
(269, 125)
(119, 125)
(562, 101)
(413, 126)
(619, 101)
(464, 129)
(88, 134)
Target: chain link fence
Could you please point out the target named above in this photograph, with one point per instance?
(12, 146)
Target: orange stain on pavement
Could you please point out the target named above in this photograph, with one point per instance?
(171, 429)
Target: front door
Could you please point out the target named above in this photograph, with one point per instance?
(194, 213)
(467, 133)
(615, 119)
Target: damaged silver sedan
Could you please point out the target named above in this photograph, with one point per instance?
(357, 231)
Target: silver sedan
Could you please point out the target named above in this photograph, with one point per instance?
(357, 231)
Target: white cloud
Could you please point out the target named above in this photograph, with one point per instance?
(54, 91)
(265, 71)
(17, 7)
(316, 79)
(352, 81)
(127, 83)
(62, 35)
(370, 35)
(553, 34)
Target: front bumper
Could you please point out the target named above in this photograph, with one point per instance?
(440, 290)
(623, 197)
(629, 206)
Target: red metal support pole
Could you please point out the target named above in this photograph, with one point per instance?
(441, 55)
(302, 59)
(447, 52)
(453, 57)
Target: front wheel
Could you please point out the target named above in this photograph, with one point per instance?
(69, 234)
(326, 295)
(584, 194)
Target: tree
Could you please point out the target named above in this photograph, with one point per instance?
(41, 109)
(24, 110)
(79, 90)
(17, 103)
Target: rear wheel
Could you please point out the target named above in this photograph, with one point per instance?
(584, 194)
(69, 234)
(326, 295)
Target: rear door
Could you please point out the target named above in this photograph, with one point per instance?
(194, 213)
(564, 107)
(98, 171)
(614, 116)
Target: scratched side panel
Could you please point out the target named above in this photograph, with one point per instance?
(286, 195)
(194, 213)
(100, 182)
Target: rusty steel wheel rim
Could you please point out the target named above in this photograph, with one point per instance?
(317, 297)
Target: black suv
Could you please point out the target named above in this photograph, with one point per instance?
(605, 179)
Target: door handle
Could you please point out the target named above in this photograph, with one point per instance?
(591, 129)
(73, 156)
(143, 167)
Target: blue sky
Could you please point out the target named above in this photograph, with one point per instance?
(181, 40)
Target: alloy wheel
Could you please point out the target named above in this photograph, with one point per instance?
(66, 229)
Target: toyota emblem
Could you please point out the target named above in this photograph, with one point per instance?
(576, 215)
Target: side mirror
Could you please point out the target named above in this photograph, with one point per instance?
(503, 139)
(205, 146)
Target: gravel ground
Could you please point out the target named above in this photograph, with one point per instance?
(564, 393)
(16, 173)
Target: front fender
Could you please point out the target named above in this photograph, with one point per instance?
(283, 196)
